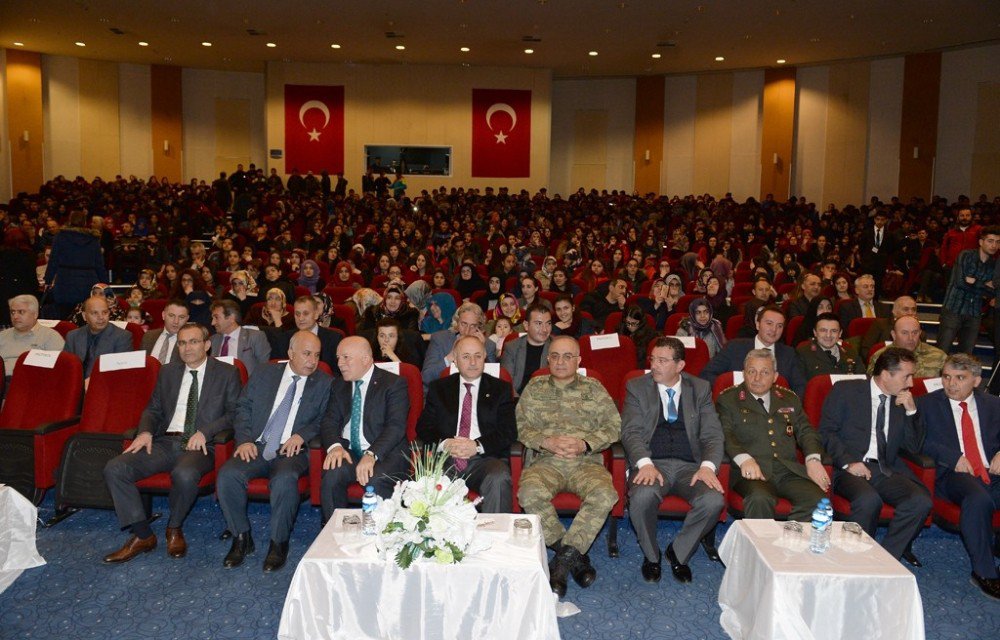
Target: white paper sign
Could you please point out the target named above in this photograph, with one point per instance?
(41, 358)
(391, 367)
(251, 326)
(582, 371)
(737, 377)
(124, 360)
(227, 359)
(840, 377)
(119, 323)
(933, 384)
(51, 324)
(606, 341)
(687, 341)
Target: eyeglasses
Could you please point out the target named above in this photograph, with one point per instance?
(562, 357)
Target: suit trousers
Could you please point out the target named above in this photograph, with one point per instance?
(978, 501)
(168, 455)
(910, 500)
(490, 478)
(584, 476)
(333, 489)
(283, 474)
(761, 496)
(644, 503)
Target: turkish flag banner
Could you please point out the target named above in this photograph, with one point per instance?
(501, 133)
(314, 128)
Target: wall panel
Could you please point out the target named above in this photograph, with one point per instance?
(744, 161)
(648, 148)
(918, 125)
(885, 106)
(135, 120)
(167, 127)
(713, 133)
(986, 150)
(100, 132)
(61, 105)
(810, 133)
(846, 134)
(24, 116)
(678, 134)
(232, 134)
(778, 132)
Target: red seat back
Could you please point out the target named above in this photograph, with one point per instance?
(612, 363)
(859, 326)
(115, 400)
(345, 313)
(816, 392)
(695, 358)
(37, 395)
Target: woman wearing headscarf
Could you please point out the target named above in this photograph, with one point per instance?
(715, 293)
(702, 283)
(635, 325)
(701, 324)
(98, 290)
(146, 282)
(363, 300)
(191, 288)
(690, 265)
(440, 309)
(393, 306)
(309, 277)
(662, 299)
(508, 308)
(723, 268)
(468, 281)
(417, 294)
(273, 313)
(494, 289)
(242, 291)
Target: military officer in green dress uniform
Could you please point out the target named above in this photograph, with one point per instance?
(825, 353)
(763, 423)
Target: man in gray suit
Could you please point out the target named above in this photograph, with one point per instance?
(674, 443)
(530, 352)
(249, 346)
(98, 337)
(469, 320)
(277, 415)
(364, 429)
(192, 401)
(162, 343)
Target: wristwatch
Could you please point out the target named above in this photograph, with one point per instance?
(372, 454)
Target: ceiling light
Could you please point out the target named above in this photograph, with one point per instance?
(592, 53)
(206, 44)
(334, 46)
(719, 59)
(18, 44)
(143, 43)
(529, 51)
(780, 61)
(80, 44)
(656, 56)
(271, 45)
(400, 47)
(464, 49)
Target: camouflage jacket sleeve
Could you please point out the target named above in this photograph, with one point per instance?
(583, 409)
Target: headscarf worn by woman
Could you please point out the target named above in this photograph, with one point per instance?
(713, 326)
(446, 303)
(309, 282)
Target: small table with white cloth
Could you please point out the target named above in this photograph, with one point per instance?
(18, 518)
(775, 588)
(341, 589)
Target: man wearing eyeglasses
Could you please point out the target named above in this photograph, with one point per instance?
(674, 443)
(467, 321)
(565, 421)
(528, 354)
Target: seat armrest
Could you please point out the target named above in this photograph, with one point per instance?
(921, 460)
(50, 427)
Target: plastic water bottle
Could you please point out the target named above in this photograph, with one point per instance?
(368, 504)
(822, 521)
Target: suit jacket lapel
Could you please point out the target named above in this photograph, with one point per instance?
(690, 415)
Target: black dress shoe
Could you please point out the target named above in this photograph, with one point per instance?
(583, 572)
(708, 544)
(911, 559)
(558, 572)
(682, 572)
(989, 586)
(277, 554)
(242, 545)
(651, 571)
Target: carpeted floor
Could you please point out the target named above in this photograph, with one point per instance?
(76, 596)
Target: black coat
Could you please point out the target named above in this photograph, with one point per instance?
(75, 265)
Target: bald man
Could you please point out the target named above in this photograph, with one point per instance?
(364, 429)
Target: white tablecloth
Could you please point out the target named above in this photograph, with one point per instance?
(342, 590)
(17, 536)
(775, 589)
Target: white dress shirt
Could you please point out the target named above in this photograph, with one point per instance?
(956, 411)
(180, 410)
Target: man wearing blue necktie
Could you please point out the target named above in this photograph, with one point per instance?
(364, 429)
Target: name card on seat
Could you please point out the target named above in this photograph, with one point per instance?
(687, 341)
(253, 327)
(124, 360)
(227, 359)
(932, 384)
(51, 324)
(605, 341)
(119, 323)
(840, 377)
(391, 367)
(41, 358)
(582, 371)
(737, 377)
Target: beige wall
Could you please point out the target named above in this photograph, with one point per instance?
(5, 178)
(416, 105)
(885, 112)
(847, 133)
(135, 120)
(100, 137)
(61, 106)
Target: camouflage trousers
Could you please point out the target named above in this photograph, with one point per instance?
(587, 478)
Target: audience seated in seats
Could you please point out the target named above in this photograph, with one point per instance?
(272, 313)
(881, 328)
(191, 288)
(864, 305)
(394, 305)
(162, 343)
(249, 346)
(97, 337)
(389, 345)
(468, 320)
(569, 321)
(763, 294)
(306, 312)
(825, 353)
(605, 299)
(635, 325)
(529, 353)
(700, 323)
(26, 333)
(906, 333)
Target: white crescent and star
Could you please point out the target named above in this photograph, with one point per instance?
(505, 108)
(314, 104)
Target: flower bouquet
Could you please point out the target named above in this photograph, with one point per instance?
(429, 517)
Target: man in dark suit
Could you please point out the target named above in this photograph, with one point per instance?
(249, 346)
(770, 324)
(864, 425)
(876, 247)
(763, 295)
(276, 416)
(192, 402)
(674, 444)
(364, 428)
(97, 337)
(306, 313)
(468, 320)
(162, 343)
(530, 352)
(471, 416)
(863, 305)
(963, 438)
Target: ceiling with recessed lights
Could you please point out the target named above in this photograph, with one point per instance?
(572, 37)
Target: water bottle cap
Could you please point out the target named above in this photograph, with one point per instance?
(369, 489)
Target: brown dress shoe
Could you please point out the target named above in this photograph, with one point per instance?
(132, 547)
(176, 545)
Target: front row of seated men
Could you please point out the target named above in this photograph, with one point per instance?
(673, 435)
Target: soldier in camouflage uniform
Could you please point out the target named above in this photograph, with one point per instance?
(906, 333)
(825, 353)
(565, 420)
(763, 422)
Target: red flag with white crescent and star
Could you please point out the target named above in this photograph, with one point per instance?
(501, 133)
(314, 128)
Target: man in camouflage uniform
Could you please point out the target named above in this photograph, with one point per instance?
(906, 333)
(763, 422)
(565, 420)
(825, 353)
